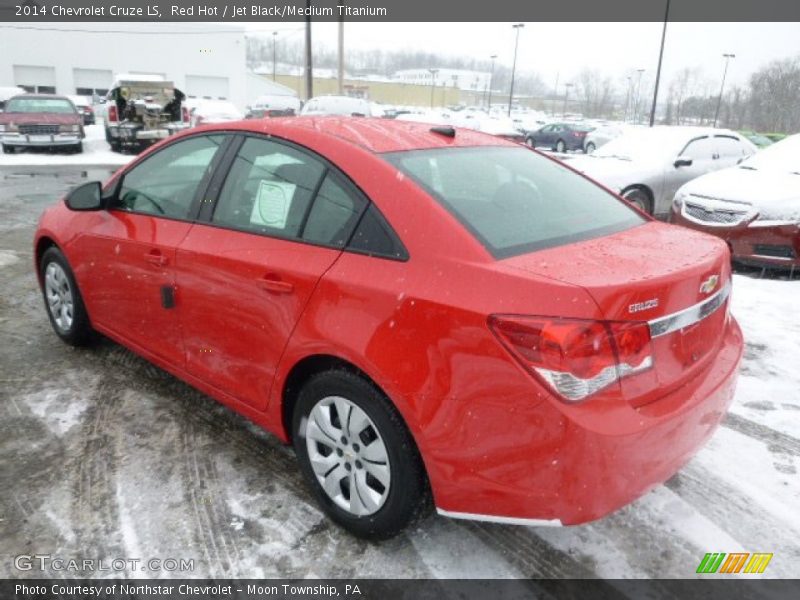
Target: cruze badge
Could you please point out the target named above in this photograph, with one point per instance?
(709, 285)
(640, 306)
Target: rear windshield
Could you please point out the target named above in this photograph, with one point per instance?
(513, 200)
(36, 105)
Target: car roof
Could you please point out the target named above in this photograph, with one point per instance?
(372, 134)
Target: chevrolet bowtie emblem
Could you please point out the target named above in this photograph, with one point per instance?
(709, 285)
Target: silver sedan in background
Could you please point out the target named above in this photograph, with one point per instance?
(647, 166)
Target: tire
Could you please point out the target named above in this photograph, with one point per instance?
(382, 447)
(78, 148)
(62, 299)
(640, 198)
(590, 147)
(561, 147)
(8, 149)
(115, 146)
(530, 142)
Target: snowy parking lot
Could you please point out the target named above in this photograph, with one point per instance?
(103, 456)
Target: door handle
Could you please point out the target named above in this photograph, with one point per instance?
(154, 257)
(274, 285)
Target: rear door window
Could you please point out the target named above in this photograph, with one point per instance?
(268, 189)
(513, 200)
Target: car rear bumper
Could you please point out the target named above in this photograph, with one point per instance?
(137, 134)
(61, 139)
(568, 471)
(758, 243)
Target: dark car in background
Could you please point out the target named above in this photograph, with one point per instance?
(85, 108)
(561, 137)
(41, 121)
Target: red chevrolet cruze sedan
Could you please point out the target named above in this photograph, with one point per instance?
(429, 315)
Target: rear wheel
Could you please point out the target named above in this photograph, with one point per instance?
(62, 299)
(590, 147)
(639, 198)
(78, 148)
(358, 456)
(561, 146)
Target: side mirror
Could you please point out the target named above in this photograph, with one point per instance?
(88, 196)
(682, 161)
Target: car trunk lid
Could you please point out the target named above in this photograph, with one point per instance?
(674, 279)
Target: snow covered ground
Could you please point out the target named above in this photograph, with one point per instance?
(104, 456)
(95, 152)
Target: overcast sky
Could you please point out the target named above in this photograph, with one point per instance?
(566, 48)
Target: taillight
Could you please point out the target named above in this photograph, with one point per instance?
(575, 357)
(112, 113)
(580, 133)
(185, 114)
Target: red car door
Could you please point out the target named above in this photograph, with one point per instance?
(129, 288)
(245, 276)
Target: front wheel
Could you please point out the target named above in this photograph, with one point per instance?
(8, 149)
(561, 147)
(530, 142)
(358, 456)
(62, 299)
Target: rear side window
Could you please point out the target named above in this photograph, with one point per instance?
(268, 189)
(375, 237)
(730, 147)
(513, 200)
(334, 214)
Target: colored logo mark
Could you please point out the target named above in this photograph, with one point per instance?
(735, 562)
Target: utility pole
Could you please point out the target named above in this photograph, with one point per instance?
(341, 50)
(491, 78)
(727, 57)
(274, 53)
(518, 26)
(566, 95)
(433, 73)
(309, 63)
(658, 70)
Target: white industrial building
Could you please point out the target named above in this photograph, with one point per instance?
(463, 79)
(205, 60)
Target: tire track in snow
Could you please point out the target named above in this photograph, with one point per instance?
(95, 513)
(722, 503)
(775, 440)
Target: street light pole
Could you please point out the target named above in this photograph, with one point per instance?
(309, 62)
(433, 73)
(628, 98)
(491, 77)
(658, 70)
(518, 26)
(638, 97)
(274, 52)
(555, 94)
(340, 65)
(727, 57)
(566, 96)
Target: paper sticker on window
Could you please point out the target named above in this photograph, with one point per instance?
(272, 204)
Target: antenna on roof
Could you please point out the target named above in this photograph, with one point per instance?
(446, 130)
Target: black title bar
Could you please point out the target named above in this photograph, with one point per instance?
(396, 10)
